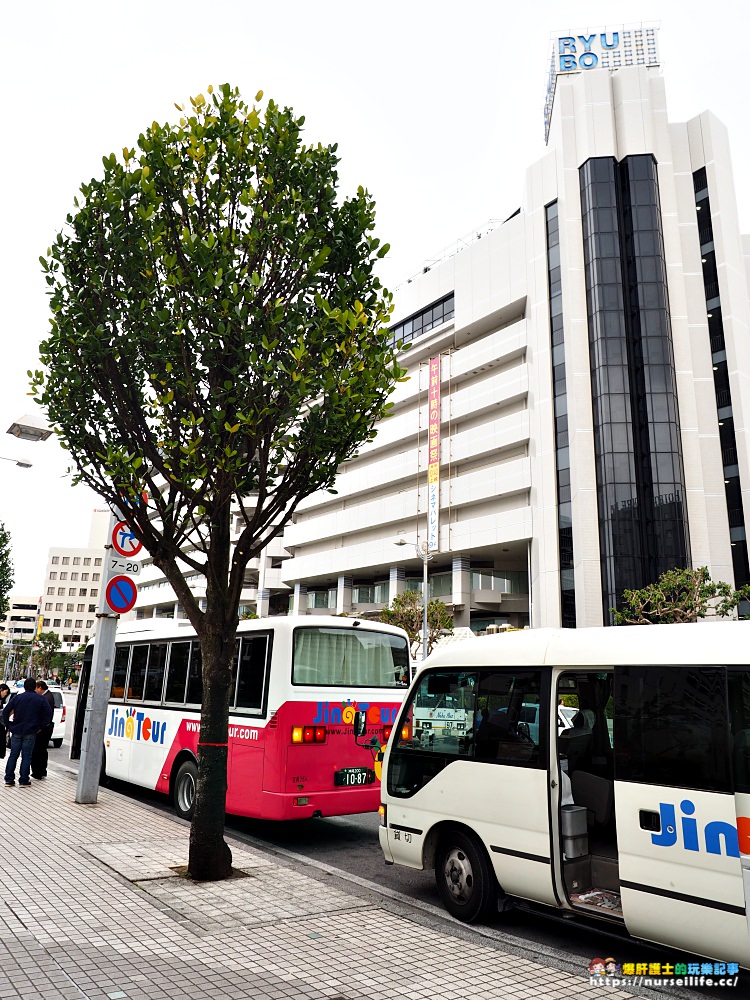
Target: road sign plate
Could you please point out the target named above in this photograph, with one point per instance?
(124, 566)
(121, 594)
(124, 541)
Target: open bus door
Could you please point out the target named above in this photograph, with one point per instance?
(83, 694)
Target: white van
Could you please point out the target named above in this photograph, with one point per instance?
(637, 814)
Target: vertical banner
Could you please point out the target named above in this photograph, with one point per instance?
(433, 461)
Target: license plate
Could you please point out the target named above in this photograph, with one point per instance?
(350, 776)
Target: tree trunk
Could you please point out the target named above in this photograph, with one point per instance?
(210, 859)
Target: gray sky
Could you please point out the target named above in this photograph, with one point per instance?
(436, 107)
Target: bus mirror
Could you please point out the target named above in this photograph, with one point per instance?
(360, 722)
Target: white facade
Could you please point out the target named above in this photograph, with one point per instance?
(499, 484)
(72, 583)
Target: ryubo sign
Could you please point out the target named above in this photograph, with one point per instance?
(606, 50)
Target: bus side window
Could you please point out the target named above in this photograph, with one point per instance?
(739, 716)
(137, 679)
(179, 659)
(157, 662)
(195, 677)
(253, 663)
(510, 710)
(120, 671)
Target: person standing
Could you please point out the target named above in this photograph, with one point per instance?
(39, 753)
(5, 697)
(30, 713)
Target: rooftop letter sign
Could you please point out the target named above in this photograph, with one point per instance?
(609, 49)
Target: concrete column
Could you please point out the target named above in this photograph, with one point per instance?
(344, 595)
(300, 599)
(461, 591)
(261, 604)
(396, 582)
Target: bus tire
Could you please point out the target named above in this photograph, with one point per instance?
(184, 789)
(465, 881)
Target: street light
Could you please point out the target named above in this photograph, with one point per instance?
(30, 428)
(422, 550)
(20, 462)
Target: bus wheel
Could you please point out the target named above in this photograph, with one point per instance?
(465, 881)
(184, 790)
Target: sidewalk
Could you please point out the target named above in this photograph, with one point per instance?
(94, 909)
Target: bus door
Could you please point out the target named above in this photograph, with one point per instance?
(679, 864)
(738, 682)
(246, 730)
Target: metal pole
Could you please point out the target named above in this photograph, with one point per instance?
(95, 717)
(425, 596)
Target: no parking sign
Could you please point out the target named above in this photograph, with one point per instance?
(121, 594)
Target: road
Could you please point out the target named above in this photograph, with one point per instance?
(347, 848)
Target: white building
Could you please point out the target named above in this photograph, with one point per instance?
(19, 625)
(70, 595)
(594, 364)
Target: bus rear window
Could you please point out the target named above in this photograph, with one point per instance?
(336, 657)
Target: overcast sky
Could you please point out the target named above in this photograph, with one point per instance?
(436, 107)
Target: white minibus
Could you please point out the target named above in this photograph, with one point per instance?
(638, 814)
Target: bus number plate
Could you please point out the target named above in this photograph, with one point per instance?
(354, 776)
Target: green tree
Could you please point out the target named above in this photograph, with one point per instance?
(407, 612)
(679, 595)
(6, 571)
(46, 646)
(219, 341)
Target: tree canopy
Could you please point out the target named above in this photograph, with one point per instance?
(218, 342)
(6, 570)
(679, 595)
(407, 612)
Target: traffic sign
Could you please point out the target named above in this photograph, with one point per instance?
(124, 541)
(124, 566)
(121, 594)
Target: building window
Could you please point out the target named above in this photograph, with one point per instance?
(92, 609)
(89, 624)
(76, 560)
(420, 322)
(97, 562)
(50, 590)
(65, 560)
(69, 607)
(64, 576)
(61, 591)
(47, 607)
(46, 622)
(86, 560)
(73, 576)
(56, 623)
(95, 577)
(53, 575)
(68, 622)
(72, 592)
(55, 560)
(58, 607)
(94, 593)
(84, 577)
(79, 623)
(80, 607)
(82, 591)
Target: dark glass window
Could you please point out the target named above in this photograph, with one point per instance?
(120, 671)
(671, 727)
(157, 662)
(137, 679)
(252, 672)
(195, 675)
(738, 679)
(179, 660)
(421, 322)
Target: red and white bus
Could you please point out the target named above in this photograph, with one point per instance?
(297, 682)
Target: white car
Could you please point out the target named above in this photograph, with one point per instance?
(58, 716)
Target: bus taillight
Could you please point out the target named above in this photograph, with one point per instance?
(387, 730)
(309, 734)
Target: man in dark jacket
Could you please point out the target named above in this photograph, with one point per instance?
(39, 754)
(30, 712)
(5, 697)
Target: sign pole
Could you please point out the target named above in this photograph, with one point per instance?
(95, 718)
(117, 594)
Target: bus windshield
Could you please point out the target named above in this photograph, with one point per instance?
(332, 657)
